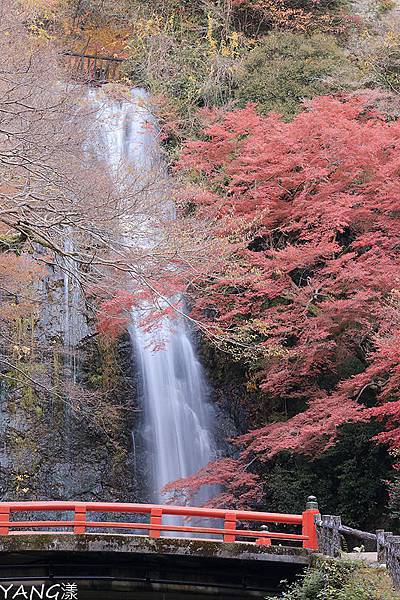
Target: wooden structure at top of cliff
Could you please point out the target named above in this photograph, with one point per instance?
(93, 68)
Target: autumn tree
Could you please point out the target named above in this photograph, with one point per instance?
(309, 295)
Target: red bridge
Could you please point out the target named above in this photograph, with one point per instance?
(82, 523)
(114, 550)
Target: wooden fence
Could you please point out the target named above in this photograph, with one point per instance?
(92, 68)
(331, 534)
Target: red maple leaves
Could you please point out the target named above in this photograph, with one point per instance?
(114, 314)
(311, 286)
(239, 487)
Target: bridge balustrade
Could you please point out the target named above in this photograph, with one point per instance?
(235, 528)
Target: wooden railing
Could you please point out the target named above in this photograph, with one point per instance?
(92, 68)
(230, 525)
(331, 533)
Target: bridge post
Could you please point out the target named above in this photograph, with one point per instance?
(392, 558)
(4, 519)
(309, 527)
(80, 519)
(381, 544)
(155, 519)
(264, 541)
(230, 523)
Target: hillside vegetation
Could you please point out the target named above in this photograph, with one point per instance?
(279, 120)
(342, 580)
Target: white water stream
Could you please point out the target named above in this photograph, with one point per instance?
(177, 416)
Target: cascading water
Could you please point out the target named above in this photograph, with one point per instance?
(75, 327)
(177, 416)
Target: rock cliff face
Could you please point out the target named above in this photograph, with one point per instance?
(233, 392)
(70, 439)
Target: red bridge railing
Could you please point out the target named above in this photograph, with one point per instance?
(82, 521)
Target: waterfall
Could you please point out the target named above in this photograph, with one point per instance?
(177, 424)
(75, 327)
(62, 317)
(178, 418)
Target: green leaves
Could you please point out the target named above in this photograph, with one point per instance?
(287, 68)
(332, 579)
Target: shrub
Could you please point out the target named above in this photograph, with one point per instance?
(176, 62)
(385, 62)
(342, 580)
(394, 499)
(287, 68)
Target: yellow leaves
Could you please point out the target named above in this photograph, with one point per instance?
(260, 327)
(21, 352)
(391, 39)
(142, 27)
(394, 297)
(234, 43)
(39, 13)
(277, 274)
(251, 386)
(38, 30)
(142, 30)
(21, 481)
(171, 21)
(212, 43)
(276, 352)
(153, 26)
(231, 47)
(386, 5)
(226, 48)
(104, 40)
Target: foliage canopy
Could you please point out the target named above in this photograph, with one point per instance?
(309, 293)
(286, 68)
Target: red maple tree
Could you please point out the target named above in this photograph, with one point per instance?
(310, 291)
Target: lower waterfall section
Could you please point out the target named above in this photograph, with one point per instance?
(177, 417)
